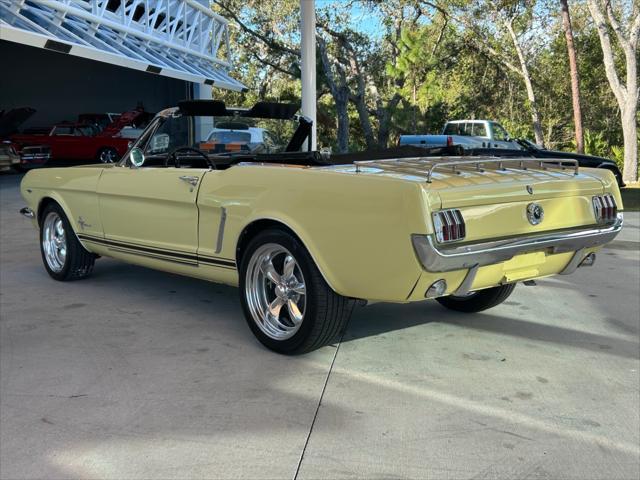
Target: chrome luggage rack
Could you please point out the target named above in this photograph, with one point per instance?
(425, 166)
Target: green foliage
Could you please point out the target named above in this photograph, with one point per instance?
(617, 155)
(441, 68)
(595, 144)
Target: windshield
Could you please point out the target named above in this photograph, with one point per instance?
(219, 135)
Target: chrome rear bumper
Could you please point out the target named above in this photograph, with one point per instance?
(438, 258)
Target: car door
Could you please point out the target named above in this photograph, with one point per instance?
(151, 211)
(61, 142)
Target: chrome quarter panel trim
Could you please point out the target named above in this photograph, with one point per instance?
(465, 286)
(435, 258)
(574, 263)
(223, 221)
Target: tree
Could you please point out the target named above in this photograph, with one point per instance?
(575, 79)
(336, 77)
(498, 24)
(626, 94)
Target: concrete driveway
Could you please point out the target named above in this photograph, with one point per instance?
(138, 374)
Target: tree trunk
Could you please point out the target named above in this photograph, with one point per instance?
(630, 134)
(535, 116)
(629, 112)
(365, 121)
(575, 79)
(343, 122)
(626, 95)
(340, 93)
(384, 115)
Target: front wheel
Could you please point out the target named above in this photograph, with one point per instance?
(287, 303)
(478, 301)
(63, 256)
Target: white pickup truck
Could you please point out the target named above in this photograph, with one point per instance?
(466, 133)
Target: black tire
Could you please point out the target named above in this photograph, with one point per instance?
(478, 301)
(107, 155)
(326, 313)
(78, 262)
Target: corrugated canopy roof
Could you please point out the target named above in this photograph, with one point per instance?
(175, 38)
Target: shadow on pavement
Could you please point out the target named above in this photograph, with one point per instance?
(383, 318)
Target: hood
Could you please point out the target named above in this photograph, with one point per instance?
(10, 121)
(123, 120)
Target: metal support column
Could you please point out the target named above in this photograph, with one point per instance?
(308, 47)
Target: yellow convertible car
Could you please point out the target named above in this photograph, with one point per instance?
(305, 236)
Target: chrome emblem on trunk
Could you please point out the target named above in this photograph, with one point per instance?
(535, 213)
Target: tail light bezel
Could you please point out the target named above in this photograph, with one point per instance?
(449, 225)
(605, 208)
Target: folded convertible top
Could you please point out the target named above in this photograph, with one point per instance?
(217, 108)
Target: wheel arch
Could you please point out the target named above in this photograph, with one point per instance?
(53, 198)
(259, 225)
(42, 205)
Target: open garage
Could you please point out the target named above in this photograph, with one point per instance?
(60, 87)
(86, 63)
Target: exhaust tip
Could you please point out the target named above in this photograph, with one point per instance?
(588, 261)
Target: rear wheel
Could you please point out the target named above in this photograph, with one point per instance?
(108, 155)
(478, 301)
(63, 256)
(288, 305)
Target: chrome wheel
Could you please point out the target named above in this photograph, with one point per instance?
(108, 155)
(275, 291)
(54, 242)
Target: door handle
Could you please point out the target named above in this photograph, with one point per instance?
(190, 179)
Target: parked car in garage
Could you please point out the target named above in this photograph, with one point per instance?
(101, 120)
(305, 239)
(9, 158)
(129, 124)
(14, 155)
(73, 141)
(34, 156)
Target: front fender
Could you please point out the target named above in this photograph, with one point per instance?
(74, 189)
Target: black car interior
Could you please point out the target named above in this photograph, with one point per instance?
(180, 150)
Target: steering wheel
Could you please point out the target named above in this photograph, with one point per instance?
(176, 158)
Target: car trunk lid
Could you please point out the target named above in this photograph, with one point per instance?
(494, 194)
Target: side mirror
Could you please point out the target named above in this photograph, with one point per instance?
(136, 157)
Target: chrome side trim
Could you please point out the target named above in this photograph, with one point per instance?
(465, 286)
(223, 220)
(27, 212)
(436, 258)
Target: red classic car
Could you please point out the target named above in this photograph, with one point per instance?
(72, 141)
(13, 155)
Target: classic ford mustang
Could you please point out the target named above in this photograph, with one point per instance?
(306, 239)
